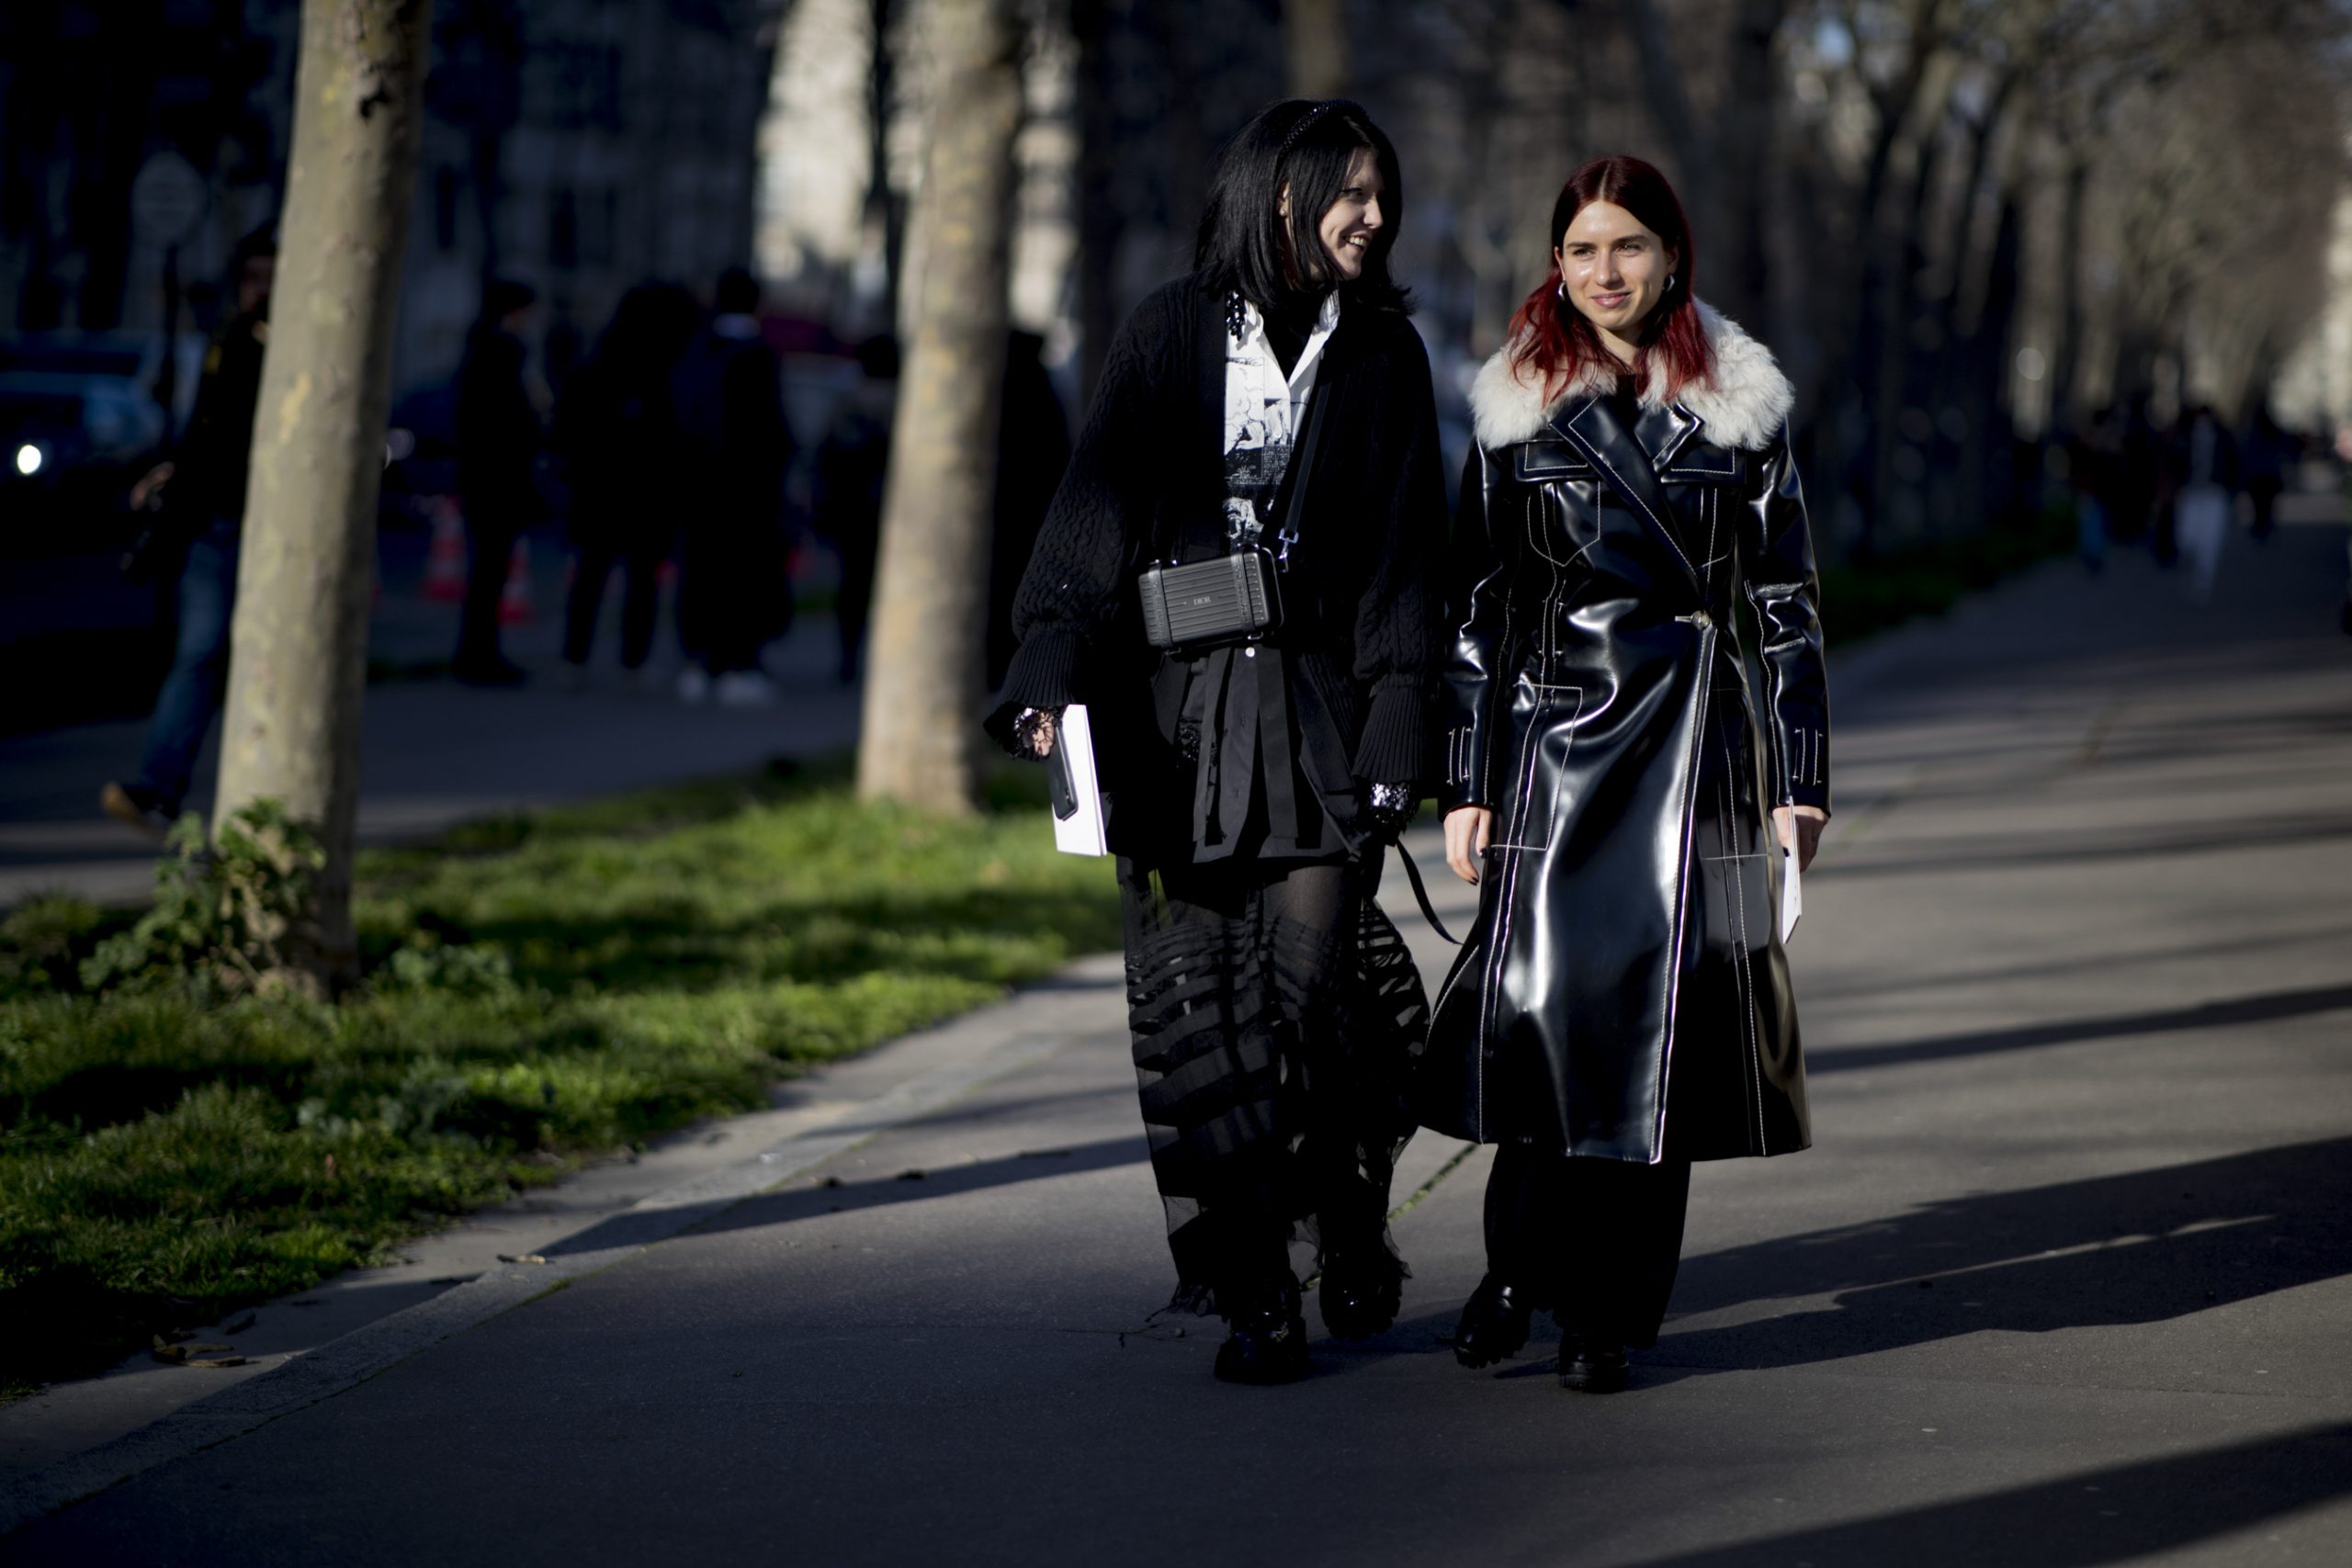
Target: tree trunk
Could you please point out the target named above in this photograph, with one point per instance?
(1314, 43)
(299, 661)
(1101, 214)
(1747, 162)
(920, 737)
(885, 210)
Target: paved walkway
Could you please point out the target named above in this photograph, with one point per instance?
(2064, 1283)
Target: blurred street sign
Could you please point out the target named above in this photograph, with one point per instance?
(168, 199)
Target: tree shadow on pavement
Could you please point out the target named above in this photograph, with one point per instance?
(2139, 1248)
(2117, 1515)
(2263, 1008)
(915, 1185)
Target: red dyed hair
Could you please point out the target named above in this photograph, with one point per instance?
(1549, 336)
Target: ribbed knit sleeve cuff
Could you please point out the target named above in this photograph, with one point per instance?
(1043, 674)
(1043, 671)
(1395, 747)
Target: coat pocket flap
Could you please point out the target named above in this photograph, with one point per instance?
(1549, 460)
(1699, 463)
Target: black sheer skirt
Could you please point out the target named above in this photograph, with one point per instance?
(1276, 1016)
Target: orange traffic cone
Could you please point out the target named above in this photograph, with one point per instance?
(444, 563)
(515, 601)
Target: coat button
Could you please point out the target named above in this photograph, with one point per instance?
(1248, 653)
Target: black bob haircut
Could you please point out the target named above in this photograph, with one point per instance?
(1245, 246)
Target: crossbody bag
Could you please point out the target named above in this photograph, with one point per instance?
(1235, 597)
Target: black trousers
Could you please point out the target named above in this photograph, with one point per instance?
(639, 558)
(1597, 1241)
(490, 546)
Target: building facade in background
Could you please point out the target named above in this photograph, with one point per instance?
(582, 146)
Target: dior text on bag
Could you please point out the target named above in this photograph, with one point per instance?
(1226, 599)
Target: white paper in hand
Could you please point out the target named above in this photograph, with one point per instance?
(1075, 787)
(1791, 894)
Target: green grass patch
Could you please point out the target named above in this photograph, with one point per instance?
(537, 989)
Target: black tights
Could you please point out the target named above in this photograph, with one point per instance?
(1596, 1240)
(1270, 1076)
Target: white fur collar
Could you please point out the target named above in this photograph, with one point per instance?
(1743, 403)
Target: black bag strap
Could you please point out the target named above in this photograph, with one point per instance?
(1421, 895)
(1303, 452)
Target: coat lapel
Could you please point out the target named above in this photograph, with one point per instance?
(1594, 429)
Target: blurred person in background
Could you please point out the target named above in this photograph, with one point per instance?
(2267, 454)
(735, 588)
(852, 463)
(1622, 1006)
(2203, 462)
(199, 495)
(1033, 448)
(615, 428)
(498, 432)
(2094, 458)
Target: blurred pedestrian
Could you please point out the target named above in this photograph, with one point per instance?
(619, 440)
(2138, 478)
(199, 496)
(1033, 448)
(851, 465)
(735, 591)
(2205, 473)
(1271, 414)
(2094, 458)
(498, 432)
(1622, 1005)
(2266, 456)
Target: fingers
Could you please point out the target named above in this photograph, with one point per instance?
(1466, 830)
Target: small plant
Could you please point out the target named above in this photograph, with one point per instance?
(36, 943)
(226, 912)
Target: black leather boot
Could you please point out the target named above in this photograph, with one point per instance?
(1592, 1366)
(1266, 1336)
(1361, 1288)
(1493, 1325)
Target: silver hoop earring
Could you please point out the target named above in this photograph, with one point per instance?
(1561, 289)
(1670, 278)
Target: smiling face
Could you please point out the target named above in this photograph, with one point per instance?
(1614, 271)
(1348, 227)
(1350, 224)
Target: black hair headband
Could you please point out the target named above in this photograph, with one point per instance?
(1304, 120)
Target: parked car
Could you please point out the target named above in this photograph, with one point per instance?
(78, 424)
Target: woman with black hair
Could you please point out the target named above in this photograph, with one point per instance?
(1622, 1006)
(1275, 400)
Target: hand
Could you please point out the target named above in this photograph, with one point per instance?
(1468, 829)
(150, 486)
(1800, 830)
(1034, 732)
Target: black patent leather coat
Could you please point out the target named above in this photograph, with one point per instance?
(1624, 992)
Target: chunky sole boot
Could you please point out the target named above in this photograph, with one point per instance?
(1359, 1293)
(1590, 1368)
(1266, 1343)
(1493, 1326)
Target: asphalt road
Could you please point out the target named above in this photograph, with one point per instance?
(2064, 1282)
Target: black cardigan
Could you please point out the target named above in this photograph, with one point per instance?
(1146, 482)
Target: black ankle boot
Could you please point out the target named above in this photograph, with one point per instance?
(1361, 1288)
(1592, 1366)
(1493, 1325)
(1266, 1336)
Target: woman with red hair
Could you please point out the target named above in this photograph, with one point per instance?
(1620, 795)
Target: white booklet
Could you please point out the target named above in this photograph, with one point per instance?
(1074, 787)
(1791, 894)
